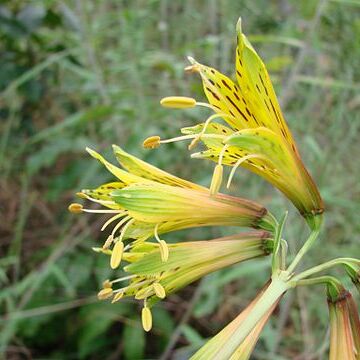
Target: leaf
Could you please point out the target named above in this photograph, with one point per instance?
(134, 342)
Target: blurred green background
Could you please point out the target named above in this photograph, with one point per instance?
(91, 73)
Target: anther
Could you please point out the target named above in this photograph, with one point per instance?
(146, 318)
(151, 142)
(105, 293)
(178, 102)
(117, 297)
(216, 179)
(159, 290)
(75, 208)
(116, 255)
(107, 284)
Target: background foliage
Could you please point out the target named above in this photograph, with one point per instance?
(76, 73)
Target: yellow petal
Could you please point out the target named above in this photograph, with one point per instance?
(146, 171)
(225, 96)
(122, 175)
(253, 78)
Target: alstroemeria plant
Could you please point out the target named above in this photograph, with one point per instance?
(145, 202)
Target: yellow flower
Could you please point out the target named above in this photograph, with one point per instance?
(213, 348)
(344, 328)
(145, 201)
(150, 279)
(257, 136)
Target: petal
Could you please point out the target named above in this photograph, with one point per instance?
(269, 146)
(141, 168)
(225, 96)
(122, 175)
(254, 79)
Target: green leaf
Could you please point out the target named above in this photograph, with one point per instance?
(134, 341)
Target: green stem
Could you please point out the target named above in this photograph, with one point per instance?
(305, 248)
(276, 289)
(324, 266)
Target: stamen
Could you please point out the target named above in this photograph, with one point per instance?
(108, 242)
(116, 255)
(178, 102)
(119, 295)
(101, 250)
(123, 213)
(159, 290)
(151, 142)
(164, 249)
(105, 293)
(119, 224)
(144, 293)
(123, 279)
(125, 228)
(75, 208)
(106, 284)
(216, 180)
(238, 163)
(98, 201)
(146, 318)
(207, 122)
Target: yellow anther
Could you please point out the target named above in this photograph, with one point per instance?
(102, 250)
(81, 195)
(117, 297)
(116, 255)
(144, 293)
(178, 102)
(164, 251)
(105, 293)
(146, 318)
(216, 180)
(107, 284)
(75, 208)
(151, 142)
(159, 290)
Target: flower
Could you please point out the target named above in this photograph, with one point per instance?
(256, 136)
(344, 327)
(150, 279)
(212, 348)
(146, 201)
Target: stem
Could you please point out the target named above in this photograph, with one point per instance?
(308, 244)
(324, 266)
(276, 289)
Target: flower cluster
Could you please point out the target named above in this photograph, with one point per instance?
(145, 202)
